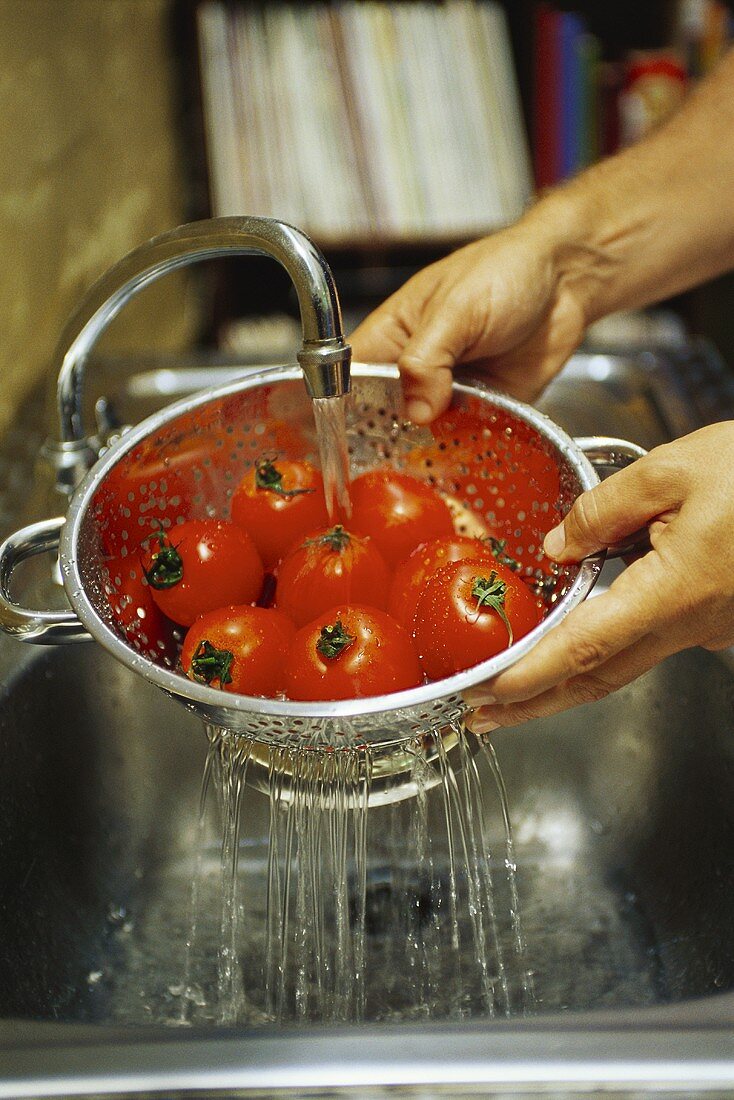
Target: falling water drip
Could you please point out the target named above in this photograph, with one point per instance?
(433, 947)
(189, 993)
(472, 857)
(315, 919)
(274, 930)
(360, 880)
(482, 860)
(233, 757)
(520, 945)
(425, 945)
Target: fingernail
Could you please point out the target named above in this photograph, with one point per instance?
(479, 723)
(555, 541)
(478, 698)
(418, 410)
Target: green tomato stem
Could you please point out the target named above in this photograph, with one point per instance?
(337, 539)
(166, 568)
(210, 663)
(333, 640)
(269, 477)
(490, 592)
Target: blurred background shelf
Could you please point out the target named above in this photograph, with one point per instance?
(355, 121)
(395, 132)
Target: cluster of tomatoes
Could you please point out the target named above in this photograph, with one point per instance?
(278, 601)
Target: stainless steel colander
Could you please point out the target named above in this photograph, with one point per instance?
(504, 469)
(185, 462)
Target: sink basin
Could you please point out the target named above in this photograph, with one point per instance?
(623, 838)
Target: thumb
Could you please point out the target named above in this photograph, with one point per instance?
(612, 511)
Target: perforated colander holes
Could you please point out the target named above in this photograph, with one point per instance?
(553, 582)
(373, 437)
(430, 722)
(128, 619)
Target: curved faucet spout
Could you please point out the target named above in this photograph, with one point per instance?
(324, 357)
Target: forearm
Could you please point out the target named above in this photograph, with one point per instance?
(655, 219)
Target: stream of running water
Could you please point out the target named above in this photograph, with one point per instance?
(371, 912)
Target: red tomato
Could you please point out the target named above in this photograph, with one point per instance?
(277, 503)
(410, 577)
(132, 604)
(328, 568)
(201, 565)
(398, 512)
(350, 652)
(239, 649)
(470, 611)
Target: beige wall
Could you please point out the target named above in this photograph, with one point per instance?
(89, 168)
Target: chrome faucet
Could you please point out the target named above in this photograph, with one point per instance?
(324, 356)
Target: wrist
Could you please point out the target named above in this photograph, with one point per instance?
(591, 242)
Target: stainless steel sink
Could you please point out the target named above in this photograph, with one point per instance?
(623, 826)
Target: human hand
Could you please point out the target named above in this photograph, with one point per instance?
(502, 304)
(679, 594)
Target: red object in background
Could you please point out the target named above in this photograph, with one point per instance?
(546, 97)
(655, 85)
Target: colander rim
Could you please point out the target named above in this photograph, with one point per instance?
(213, 700)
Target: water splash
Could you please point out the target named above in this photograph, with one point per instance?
(318, 836)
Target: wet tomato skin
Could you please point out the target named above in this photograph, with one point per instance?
(398, 512)
(410, 577)
(256, 638)
(132, 603)
(220, 566)
(380, 659)
(452, 632)
(327, 568)
(275, 518)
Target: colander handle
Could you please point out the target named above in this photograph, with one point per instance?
(40, 627)
(607, 453)
(604, 452)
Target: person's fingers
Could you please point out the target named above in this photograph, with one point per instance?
(490, 305)
(678, 595)
(589, 688)
(427, 363)
(423, 340)
(381, 337)
(528, 365)
(590, 635)
(618, 507)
